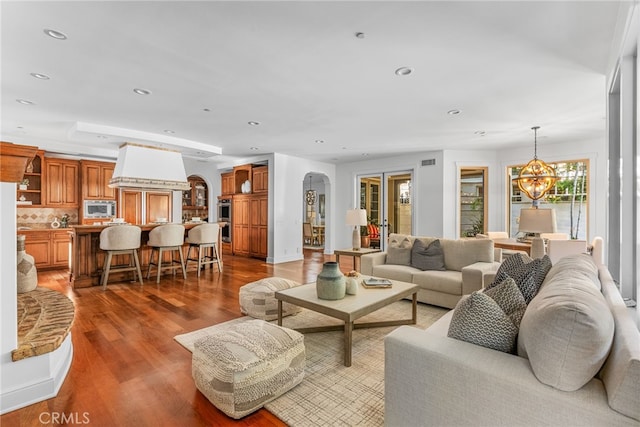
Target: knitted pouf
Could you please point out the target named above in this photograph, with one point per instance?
(243, 365)
(257, 300)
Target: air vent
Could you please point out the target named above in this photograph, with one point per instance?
(429, 162)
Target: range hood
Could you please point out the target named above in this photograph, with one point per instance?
(142, 167)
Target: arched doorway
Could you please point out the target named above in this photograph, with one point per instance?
(314, 211)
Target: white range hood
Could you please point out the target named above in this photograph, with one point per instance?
(142, 167)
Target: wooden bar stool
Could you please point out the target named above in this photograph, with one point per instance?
(204, 237)
(162, 238)
(120, 240)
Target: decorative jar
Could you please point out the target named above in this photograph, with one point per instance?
(27, 279)
(330, 283)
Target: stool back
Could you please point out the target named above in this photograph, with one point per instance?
(204, 233)
(167, 235)
(120, 237)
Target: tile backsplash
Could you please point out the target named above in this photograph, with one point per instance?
(43, 217)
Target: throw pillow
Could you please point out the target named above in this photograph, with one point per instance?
(399, 250)
(490, 318)
(427, 257)
(527, 273)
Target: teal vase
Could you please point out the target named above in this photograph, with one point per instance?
(330, 283)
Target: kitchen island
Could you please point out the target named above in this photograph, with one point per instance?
(87, 259)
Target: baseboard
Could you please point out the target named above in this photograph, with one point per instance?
(43, 388)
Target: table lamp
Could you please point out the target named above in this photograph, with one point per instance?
(356, 218)
(535, 221)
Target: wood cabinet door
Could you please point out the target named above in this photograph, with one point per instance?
(227, 183)
(158, 205)
(39, 247)
(70, 170)
(131, 206)
(106, 173)
(260, 179)
(55, 183)
(91, 183)
(60, 244)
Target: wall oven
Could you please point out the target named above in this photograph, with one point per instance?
(99, 209)
(224, 215)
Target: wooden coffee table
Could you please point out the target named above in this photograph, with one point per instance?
(350, 308)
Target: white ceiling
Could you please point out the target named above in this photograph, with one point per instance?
(299, 70)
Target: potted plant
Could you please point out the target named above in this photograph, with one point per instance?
(364, 236)
(24, 184)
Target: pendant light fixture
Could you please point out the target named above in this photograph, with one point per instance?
(310, 195)
(537, 177)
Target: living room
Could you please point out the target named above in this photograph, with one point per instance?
(341, 160)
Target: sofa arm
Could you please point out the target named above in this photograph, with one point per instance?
(473, 276)
(450, 382)
(368, 261)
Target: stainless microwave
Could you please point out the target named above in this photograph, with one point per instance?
(99, 208)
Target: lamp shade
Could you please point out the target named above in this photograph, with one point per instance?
(537, 220)
(356, 217)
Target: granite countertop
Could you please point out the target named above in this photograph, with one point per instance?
(41, 226)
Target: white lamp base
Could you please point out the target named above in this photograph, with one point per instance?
(355, 239)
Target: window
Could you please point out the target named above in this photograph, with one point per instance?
(568, 197)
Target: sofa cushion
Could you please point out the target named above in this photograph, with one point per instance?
(399, 250)
(394, 272)
(463, 252)
(490, 318)
(448, 282)
(581, 264)
(527, 273)
(427, 257)
(567, 330)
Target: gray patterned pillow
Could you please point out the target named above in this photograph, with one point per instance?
(527, 273)
(399, 250)
(427, 257)
(490, 318)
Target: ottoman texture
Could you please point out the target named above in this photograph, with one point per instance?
(257, 300)
(243, 365)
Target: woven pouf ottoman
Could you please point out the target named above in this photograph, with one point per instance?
(257, 300)
(243, 365)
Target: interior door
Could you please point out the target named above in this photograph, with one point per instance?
(388, 200)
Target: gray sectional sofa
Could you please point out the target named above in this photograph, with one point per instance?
(577, 363)
(466, 264)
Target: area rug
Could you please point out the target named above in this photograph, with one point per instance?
(332, 394)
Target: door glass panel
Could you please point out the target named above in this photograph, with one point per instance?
(473, 201)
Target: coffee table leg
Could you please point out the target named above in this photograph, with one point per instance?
(348, 330)
(280, 311)
(414, 309)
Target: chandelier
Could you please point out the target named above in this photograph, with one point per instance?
(537, 177)
(310, 195)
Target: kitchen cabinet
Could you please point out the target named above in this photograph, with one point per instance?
(31, 195)
(250, 225)
(242, 175)
(260, 179)
(131, 206)
(61, 182)
(228, 186)
(49, 248)
(196, 196)
(158, 205)
(95, 177)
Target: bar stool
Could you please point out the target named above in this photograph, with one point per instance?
(168, 237)
(120, 240)
(204, 237)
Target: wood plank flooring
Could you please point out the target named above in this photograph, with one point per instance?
(127, 370)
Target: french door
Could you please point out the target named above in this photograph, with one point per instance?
(387, 198)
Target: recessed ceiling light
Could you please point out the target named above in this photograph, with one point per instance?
(365, 154)
(319, 141)
(254, 123)
(453, 112)
(142, 91)
(404, 71)
(360, 35)
(40, 76)
(253, 148)
(25, 102)
(101, 136)
(55, 34)
(480, 132)
(168, 131)
(206, 109)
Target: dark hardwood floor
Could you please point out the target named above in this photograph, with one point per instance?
(127, 370)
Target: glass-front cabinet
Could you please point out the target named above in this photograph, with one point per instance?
(194, 200)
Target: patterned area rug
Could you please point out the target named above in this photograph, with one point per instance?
(332, 394)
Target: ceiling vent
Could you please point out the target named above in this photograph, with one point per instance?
(429, 162)
(142, 167)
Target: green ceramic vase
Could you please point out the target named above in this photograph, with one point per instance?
(330, 283)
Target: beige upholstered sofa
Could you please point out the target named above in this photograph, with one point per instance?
(429, 376)
(466, 264)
